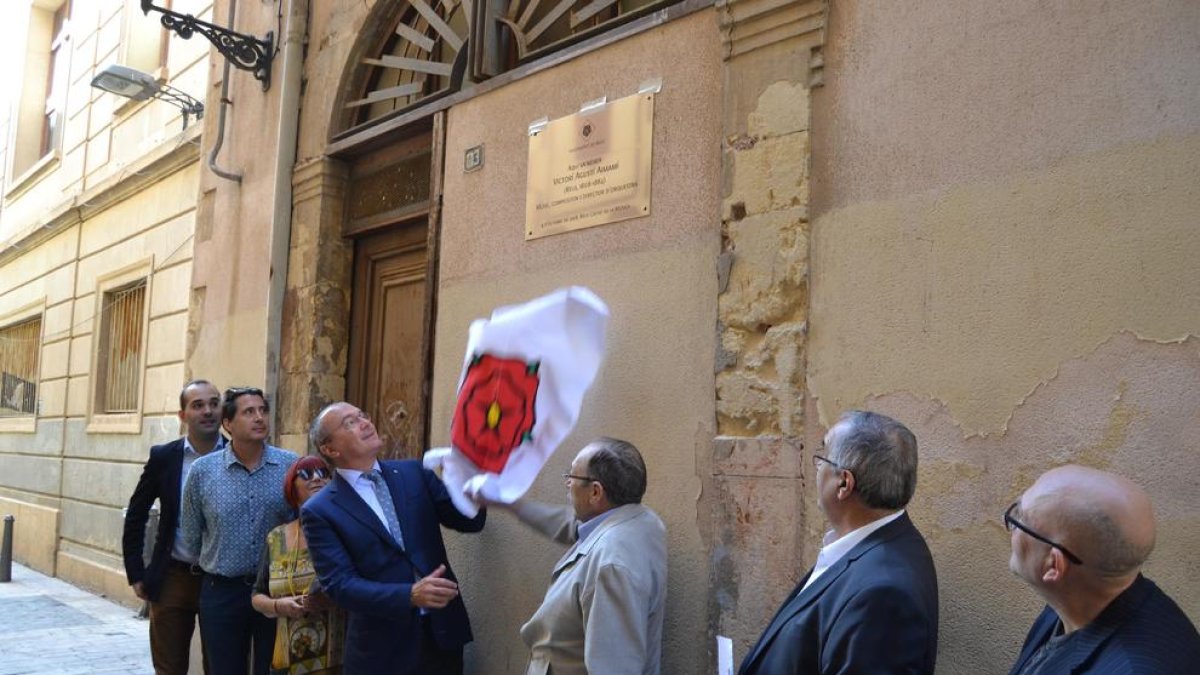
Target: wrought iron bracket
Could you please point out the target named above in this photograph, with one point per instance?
(245, 52)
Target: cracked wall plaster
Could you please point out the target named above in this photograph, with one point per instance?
(974, 295)
(1129, 407)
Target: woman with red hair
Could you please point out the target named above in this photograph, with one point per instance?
(309, 630)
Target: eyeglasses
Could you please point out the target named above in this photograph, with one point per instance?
(355, 421)
(309, 474)
(1010, 523)
(817, 459)
(583, 478)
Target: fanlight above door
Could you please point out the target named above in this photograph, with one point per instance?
(423, 57)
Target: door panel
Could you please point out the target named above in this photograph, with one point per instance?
(388, 337)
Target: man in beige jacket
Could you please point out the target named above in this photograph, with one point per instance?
(603, 612)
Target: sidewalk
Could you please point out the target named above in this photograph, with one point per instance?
(49, 627)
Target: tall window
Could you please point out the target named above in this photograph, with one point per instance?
(122, 342)
(143, 40)
(20, 345)
(41, 108)
(56, 84)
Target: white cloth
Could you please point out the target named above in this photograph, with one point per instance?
(831, 552)
(560, 337)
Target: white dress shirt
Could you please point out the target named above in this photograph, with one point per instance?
(832, 551)
(366, 489)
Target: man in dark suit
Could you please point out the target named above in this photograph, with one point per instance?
(376, 545)
(171, 583)
(1079, 539)
(870, 603)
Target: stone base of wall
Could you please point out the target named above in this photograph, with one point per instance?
(35, 533)
(759, 520)
(106, 578)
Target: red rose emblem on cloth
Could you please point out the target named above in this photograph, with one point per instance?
(495, 410)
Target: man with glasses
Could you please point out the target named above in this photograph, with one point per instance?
(870, 604)
(376, 545)
(231, 500)
(1079, 539)
(171, 582)
(603, 612)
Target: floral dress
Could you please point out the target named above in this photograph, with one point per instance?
(313, 643)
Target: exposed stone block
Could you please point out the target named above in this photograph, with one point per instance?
(768, 277)
(778, 456)
(757, 543)
(782, 109)
(770, 174)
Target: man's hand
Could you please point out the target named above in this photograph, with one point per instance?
(292, 607)
(139, 589)
(434, 591)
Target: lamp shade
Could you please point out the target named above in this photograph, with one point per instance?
(127, 82)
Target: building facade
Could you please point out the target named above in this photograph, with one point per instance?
(97, 218)
(977, 218)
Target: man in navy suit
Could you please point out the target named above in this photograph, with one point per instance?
(1079, 539)
(376, 545)
(171, 583)
(870, 604)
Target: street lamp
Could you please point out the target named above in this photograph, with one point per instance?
(139, 86)
(243, 51)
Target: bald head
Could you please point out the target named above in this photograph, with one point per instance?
(1105, 519)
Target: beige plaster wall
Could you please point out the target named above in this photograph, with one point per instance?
(1003, 256)
(130, 203)
(103, 134)
(227, 341)
(658, 276)
(35, 533)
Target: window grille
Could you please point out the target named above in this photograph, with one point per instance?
(121, 345)
(20, 346)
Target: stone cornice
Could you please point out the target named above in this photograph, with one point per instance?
(164, 160)
(747, 25)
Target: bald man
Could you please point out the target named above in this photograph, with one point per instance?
(1079, 538)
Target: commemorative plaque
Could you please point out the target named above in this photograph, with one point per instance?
(591, 168)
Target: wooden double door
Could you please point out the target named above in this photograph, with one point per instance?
(393, 222)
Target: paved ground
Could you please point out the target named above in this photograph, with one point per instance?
(49, 627)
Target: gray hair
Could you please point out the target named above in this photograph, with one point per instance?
(1086, 522)
(317, 435)
(618, 467)
(882, 455)
(1116, 556)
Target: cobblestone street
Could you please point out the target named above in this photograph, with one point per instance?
(49, 627)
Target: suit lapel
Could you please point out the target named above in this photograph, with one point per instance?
(175, 471)
(801, 599)
(347, 499)
(797, 602)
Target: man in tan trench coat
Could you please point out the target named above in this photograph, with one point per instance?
(603, 612)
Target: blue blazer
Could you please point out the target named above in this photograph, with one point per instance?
(159, 480)
(874, 611)
(1141, 632)
(366, 573)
